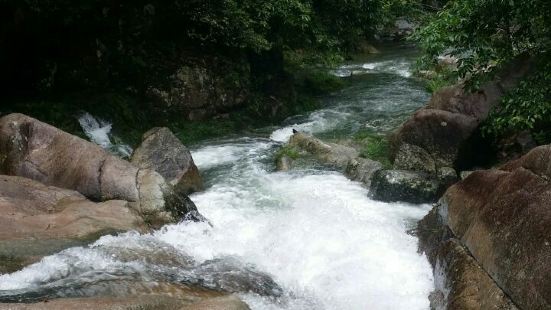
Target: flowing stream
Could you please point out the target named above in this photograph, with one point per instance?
(304, 239)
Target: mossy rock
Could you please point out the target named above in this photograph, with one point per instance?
(405, 186)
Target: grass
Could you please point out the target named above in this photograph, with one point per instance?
(194, 131)
(287, 151)
(373, 146)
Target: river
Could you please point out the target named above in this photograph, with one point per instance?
(304, 239)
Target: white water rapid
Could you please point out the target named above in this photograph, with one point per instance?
(318, 235)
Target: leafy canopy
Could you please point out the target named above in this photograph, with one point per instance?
(485, 34)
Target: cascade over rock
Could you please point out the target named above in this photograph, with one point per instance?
(32, 149)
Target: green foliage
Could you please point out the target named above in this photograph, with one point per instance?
(194, 131)
(441, 78)
(288, 151)
(373, 146)
(484, 34)
(526, 108)
(96, 43)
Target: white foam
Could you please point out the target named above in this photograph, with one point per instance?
(315, 232)
(319, 121)
(399, 67)
(96, 130)
(211, 156)
(319, 236)
(99, 132)
(55, 267)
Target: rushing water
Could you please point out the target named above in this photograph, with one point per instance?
(99, 132)
(303, 239)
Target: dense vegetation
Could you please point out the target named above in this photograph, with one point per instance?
(61, 56)
(486, 34)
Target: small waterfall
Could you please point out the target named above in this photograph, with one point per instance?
(99, 132)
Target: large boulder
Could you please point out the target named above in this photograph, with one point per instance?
(342, 157)
(503, 218)
(445, 127)
(460, 283)
(438, 133)
(163, 152)
(38, 220)
(41, 152)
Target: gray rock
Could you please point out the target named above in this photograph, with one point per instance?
(362, 169)
(406, 186)
(198, 91)
(163, 152)
(38, 151)
(413, 157)
(117, 294)
(447, 176)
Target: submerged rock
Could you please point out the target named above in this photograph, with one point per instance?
(230, 275)
(38, 220)
(503, 218)
(402, 185)
(41, 152)
(163, 152)
(124, 294)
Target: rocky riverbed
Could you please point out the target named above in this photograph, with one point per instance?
(217, 226)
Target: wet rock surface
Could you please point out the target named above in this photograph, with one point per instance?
(443, 128)
(141, 295)
(502, 217)
(461, 284)
(407, 186)
(35, 150)
(332, 154)
(362, 169)
(38, 220)
(163, 152)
